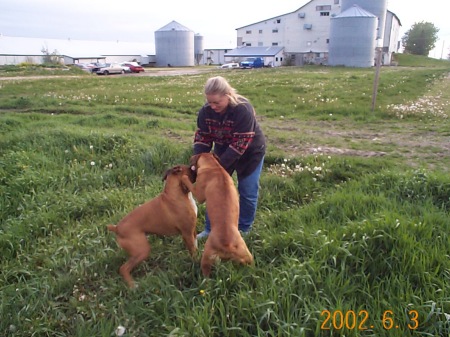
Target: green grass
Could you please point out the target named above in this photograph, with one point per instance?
(353, 218)
(29, 69)
(408, 60)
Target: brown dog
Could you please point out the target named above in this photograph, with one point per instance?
(215, 186)
(173, 212)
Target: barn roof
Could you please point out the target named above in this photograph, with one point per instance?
(255, 51)
(73, 48)
(278, 16)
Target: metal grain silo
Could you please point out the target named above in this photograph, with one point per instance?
(174, 46)
(352, 38)
(376, 7)
(198, 48)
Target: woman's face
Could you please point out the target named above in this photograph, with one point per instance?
(218, 102)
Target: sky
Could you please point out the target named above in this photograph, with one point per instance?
(137, 20)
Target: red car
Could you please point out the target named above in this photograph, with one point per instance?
(134, 67)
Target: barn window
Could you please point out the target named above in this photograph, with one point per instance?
(260, 31)
(307, 26)
(278, 20)
(274, 43)
(275, 30)
(324, 13)
(248, 32)
(323, 8)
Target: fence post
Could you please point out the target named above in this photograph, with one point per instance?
(379, 53)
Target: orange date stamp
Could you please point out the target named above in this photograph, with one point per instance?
(361, 320)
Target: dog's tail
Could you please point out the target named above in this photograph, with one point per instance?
(112, 228)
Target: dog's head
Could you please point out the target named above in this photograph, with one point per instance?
(194, 160)
(178, 171)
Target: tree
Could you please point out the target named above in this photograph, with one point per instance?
(420, 38)
(49, 58)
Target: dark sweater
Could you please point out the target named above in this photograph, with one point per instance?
(238, 140)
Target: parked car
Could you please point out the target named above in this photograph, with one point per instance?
(229, 65)
(133, 66)
(109, 68)
(97, 66)
(126, 68)
(252, 62)
(84, 67)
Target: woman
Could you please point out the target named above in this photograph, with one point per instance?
(227, 125)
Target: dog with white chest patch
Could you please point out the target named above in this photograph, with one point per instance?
(173, 212)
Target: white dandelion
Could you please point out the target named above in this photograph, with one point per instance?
(120, 330)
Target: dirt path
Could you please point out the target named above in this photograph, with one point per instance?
(148, 72)
(426, 145)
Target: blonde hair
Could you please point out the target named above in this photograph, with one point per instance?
(220, 86)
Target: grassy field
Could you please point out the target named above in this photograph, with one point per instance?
(352, 231)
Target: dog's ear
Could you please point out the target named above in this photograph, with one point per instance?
(173, 170)
(193, 162)
(193, 173)
(166, 174)
(177, 169)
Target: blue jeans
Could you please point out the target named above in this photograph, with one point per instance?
(248, 189)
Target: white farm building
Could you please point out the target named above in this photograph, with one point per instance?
(305, 33)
